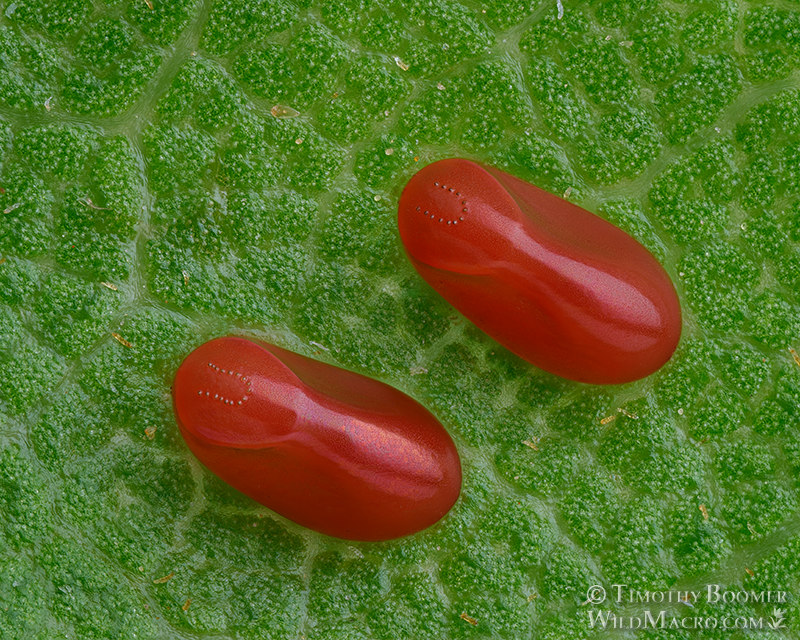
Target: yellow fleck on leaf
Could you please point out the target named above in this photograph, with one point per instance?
(149, 4)
(795, 356)
(121, 340)
(12, 207)
(533, 596)
(2, 260)
(608, 419)
(186, 604)
(532, 444)
(110, 285)
(468, 618)
(185, 277)
(749, 571)
(166, 578)
(704, 511)
(150, 432)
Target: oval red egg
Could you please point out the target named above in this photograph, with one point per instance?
(330, 449)
(554, 283)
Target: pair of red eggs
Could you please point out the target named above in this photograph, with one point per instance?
(354, 458)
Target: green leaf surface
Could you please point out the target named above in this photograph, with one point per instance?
(171, 171)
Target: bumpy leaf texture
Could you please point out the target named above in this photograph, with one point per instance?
(158, 189)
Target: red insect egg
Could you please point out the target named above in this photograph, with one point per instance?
(554, 283)
(330, 449)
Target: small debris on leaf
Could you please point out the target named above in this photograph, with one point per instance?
(468, 618)
(281, 111)
(400, 63)
(88, 202)
(166, 578)
(121, 340)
